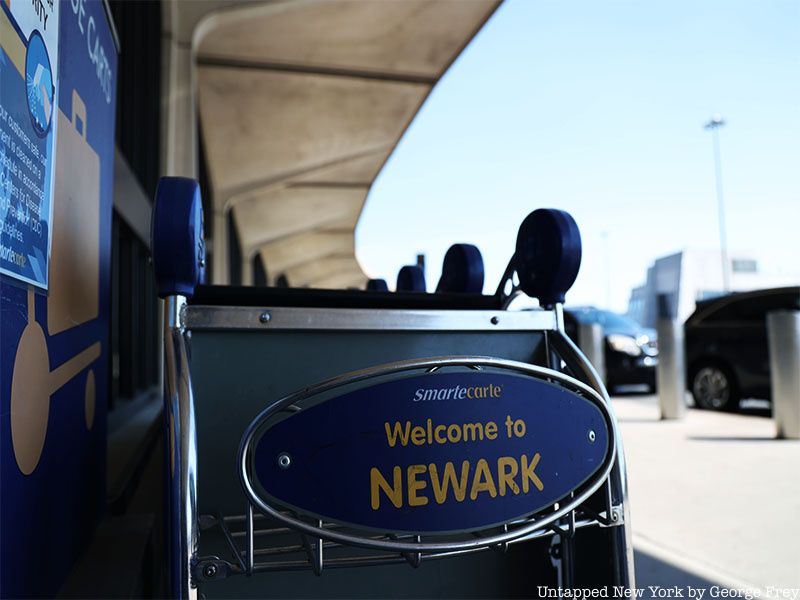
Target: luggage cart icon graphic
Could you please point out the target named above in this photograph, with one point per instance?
(73, 295)
(74, 256)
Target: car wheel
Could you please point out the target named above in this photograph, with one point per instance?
(714, 388)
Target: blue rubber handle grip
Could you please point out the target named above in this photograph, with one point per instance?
(462, 270)
(176, 237)
(548, 254)
(410, 279)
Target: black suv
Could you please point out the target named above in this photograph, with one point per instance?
(727, 356)
(631, 351)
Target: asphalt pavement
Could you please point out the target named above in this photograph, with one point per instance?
(715, 498)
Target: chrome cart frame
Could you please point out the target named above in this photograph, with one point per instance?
(241, 531)
(253, 535)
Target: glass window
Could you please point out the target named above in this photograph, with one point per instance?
(744, 265)
(709, 294)
(134, 316)
(606, 318)
(754, 309)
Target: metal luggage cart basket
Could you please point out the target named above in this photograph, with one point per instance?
(262, 468)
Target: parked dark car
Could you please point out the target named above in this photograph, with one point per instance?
(631, 350)
(727, 356)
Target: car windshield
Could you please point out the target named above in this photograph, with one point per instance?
(609, 320)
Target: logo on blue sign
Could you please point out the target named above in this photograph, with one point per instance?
(40, 89)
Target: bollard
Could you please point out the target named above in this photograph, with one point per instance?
(593, 344)
(783, 332)
(671, 369)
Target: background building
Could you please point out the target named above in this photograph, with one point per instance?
(694, 274)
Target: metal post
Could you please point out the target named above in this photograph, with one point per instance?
(713, 125)
(607, 270)
(592, 343)
(566, 560)
(180, 456)
(622, 549)
(671, 370)
(783, 331)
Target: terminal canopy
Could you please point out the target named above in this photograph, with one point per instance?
(301, 102)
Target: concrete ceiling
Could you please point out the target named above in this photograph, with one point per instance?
(293, 250)
(301, 103)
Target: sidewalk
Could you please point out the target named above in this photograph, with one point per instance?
(713, 497)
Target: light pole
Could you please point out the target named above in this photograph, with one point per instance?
(713, 125)
(607, 259)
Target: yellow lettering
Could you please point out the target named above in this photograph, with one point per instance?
(454, 434)
(417, 436)
(436, 434)
(378, 483)
(473, 429)
(449, 478)
(528, 473)
(491, 430)
(482, 481)
(397, 431)
(414, 486)
(506, 478)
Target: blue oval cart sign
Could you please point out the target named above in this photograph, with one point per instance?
(434, 453)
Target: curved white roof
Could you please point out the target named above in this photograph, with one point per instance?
(301, 102)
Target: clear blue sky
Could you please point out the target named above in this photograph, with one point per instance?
(598, 108)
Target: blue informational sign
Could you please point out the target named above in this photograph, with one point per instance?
(29, 47)
(54, 346)
(434, 453)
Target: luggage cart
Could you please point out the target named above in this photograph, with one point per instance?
(268, 399)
